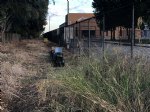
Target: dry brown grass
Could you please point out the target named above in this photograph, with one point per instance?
(21, 64)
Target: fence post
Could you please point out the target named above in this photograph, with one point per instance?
(69, 42)
(65, 36)
(132, 40)
(103, 36)
(89, 39)
(73, 39)
(79, 39)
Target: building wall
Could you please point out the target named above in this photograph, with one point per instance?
(84, 26)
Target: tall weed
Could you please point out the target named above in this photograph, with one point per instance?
(114, 83)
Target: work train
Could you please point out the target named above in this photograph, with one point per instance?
(55, 36)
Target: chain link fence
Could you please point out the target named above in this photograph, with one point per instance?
(85, 37)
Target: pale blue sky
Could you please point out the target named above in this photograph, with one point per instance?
(58, 11)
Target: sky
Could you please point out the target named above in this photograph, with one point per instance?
(57, 11)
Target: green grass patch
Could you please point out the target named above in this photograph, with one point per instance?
(112, 84)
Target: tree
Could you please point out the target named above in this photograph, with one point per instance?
(25, 17)
(119, 12)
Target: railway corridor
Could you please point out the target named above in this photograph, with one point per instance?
(26, 65)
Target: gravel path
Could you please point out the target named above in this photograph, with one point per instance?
(96, 50)
(137, 50)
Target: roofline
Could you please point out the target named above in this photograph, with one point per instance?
(71, 24)
(81, 13)
(81, 21)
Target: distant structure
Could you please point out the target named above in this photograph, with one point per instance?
(72, 18)
(79, 27)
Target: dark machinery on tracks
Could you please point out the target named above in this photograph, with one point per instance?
(56, 56)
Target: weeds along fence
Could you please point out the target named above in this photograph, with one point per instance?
(85, 36)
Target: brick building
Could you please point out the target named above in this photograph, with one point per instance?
(72, 18)
(79, 24)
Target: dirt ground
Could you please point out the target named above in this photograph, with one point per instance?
(21, 66)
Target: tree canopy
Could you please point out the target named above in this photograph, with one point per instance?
(119, 12)
(25, 17)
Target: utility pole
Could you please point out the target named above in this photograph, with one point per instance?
(50, 17)
(49, 22)
(67, 6)
(68, 12)
(68, 28)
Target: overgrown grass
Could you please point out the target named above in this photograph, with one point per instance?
(112, 84)
(21, 66)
